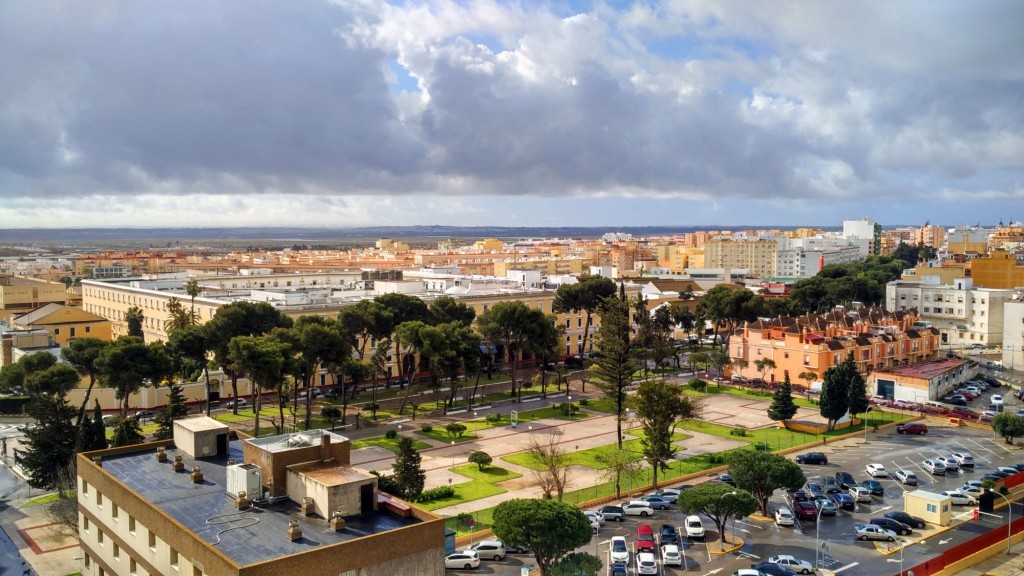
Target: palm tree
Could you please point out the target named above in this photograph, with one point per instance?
(134, 318)
(177, 317)
(193, 289)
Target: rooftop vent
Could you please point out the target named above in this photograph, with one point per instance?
(293, 533)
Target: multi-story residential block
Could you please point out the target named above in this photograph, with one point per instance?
(962, 313)
(813, 343)
(967, 240)
(211, 503)
(759, 255)
(999, 269)
(19, 294)
(1013, 333)
(803, 263)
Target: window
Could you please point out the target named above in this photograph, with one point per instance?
(131, 525)
(932, 508)
(117, 552)
(85, 524)
(56, 331)
(152, 541)
(99, 537)
(196, 571)
(133, 567)
(85, 488)
(88, 329)
(568, 323)
(72, 331)
(113, 512)
(174, 559)
(99, 500)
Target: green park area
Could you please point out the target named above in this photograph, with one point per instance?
(483, 483)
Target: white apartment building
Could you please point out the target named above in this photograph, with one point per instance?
(963, 314)
(1013, 333)
(804, 263)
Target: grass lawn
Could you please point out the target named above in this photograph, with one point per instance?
(47, 499)
(591, 457)
(389, 443)
(603, 404)
(441, 435)
(482, 485)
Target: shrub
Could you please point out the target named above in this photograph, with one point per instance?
(427, 428)
(584, 401)
(455, 430)
(480, 458)
(439, 493)
(568, 408)
(391, 434)
(737, 432)
(386, 483)
(698, 385)
(493, 418)
(715, 459)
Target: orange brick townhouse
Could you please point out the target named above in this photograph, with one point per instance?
(813, 343)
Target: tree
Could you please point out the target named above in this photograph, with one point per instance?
(659, 406)
(455, 430)
(177, 316)
(262, 358)
(550, 529)
(615, 361)
(553, 460)
(620, 465)
(134, 318)
(191, 344)
(331, 414)
(783, 408)
(315, 340)
(719, 359)
(808, 377)
(193, 290)
(1008, 425)
(718, 502)
(240, 319)
(127, 432)
(835, 391)
(480, 458)
(408, 473)
(762, 473)
(575, 564)
(174, 410)
(50, 443)
(858, 403)
(82, 354)
(402, 308)
(510, 324)
(447, 309)
(365, 321)
(585, 296)
(128, 364)
(94, 433)
(763, 365)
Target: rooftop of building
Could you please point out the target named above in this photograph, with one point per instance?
(206, 510)
(925, 370)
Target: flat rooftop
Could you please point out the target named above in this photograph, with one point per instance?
(925, 370)
(283, 442)
(208, 512)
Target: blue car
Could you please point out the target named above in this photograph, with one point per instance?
(772, 569)
(844, 501)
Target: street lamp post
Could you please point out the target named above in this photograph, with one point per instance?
(453, 458)
(1009, 518)
(817, 541)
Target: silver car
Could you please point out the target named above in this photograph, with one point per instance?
(873, 532)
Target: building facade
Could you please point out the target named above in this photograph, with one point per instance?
(963, 314)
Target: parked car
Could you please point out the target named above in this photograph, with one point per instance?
(595, 521)
(644, 538)
(772, 569)
(619, 549)
(949, 462)
(934, 467)
(876, 471)
(974, 491)
(825, 507)
(671, 494)
(619, 569)
(806, 510)
(637, 508)
(875, 487)
(861, 494)
(912, 428)
(912, 521)
(646, 563)
(815, 490)
(894, 525)
(615, 513)
(874, 532)
(800, 496)
(463, 560)
(844, 501)
(657, 502)
(726, 479)
(236, 402)
(791, 563)
(846, 480)
(670, 555)
(996, 399)
(830, 485)
(959, 498)
(144, 415)
(905, 477)
(784, 516)
(812, 458)
(492, 549)
(694, 527)
(668, 534)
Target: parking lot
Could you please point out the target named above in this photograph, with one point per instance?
(832, 537)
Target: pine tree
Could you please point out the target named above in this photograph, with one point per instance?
(50, 444)
(174, 410)
(835, 390)
(94, 433)
(858, 391)
(783, 408)
(408, 473)
(127, 432)
(616, 361)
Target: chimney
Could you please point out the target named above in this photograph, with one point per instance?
(325, 446)
(161, 454)
(337, 522)
(197, 475)
(293, 533)
(178, 465)
(307, 507)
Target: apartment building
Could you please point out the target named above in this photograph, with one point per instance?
(65, 323)
(214, 503)
(19, 294)
(999, 269)
(1013, 333)
(759, 255)
(961, 312)
(813, 343)
(804, 263)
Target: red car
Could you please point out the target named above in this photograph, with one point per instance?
(806, 510)
(912, 428)
(644, 538)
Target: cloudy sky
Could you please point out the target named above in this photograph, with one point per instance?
(473, 112)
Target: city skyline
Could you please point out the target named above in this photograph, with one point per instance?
(369, 113)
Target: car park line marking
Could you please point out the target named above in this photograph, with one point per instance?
(748, 555)
(882, 509)
(848, 566)
(976, 457)
(715, 571)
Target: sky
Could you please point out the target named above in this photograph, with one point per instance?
(480, 112)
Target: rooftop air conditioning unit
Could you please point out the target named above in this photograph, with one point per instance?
(244, 478)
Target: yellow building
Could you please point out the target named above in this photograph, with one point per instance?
(19, 294)
(65, 323)
(489, 245)
(946, 273)
(758, 255)
(1000, 269)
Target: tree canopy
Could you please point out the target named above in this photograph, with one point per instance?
(718, 501)
(762, 473)
(835, 390)
(408, 473)
(782, 407)
(1008, 425)
(549, 528)
(616, 359)
(659, 406)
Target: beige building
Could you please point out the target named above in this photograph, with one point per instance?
(19, 294)
(213, 504)
(934, 508)
(759, 255)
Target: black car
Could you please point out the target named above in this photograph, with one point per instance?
(144, 415)
(620, 569)
(874, 486)
(812, 458)
(1019, 467)
(846, 480)
(669, 535)
(772, 569)
(912, 521)
(890, 524)
(726, 479)
(815, 490)
(994, 476)
(800, 496)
